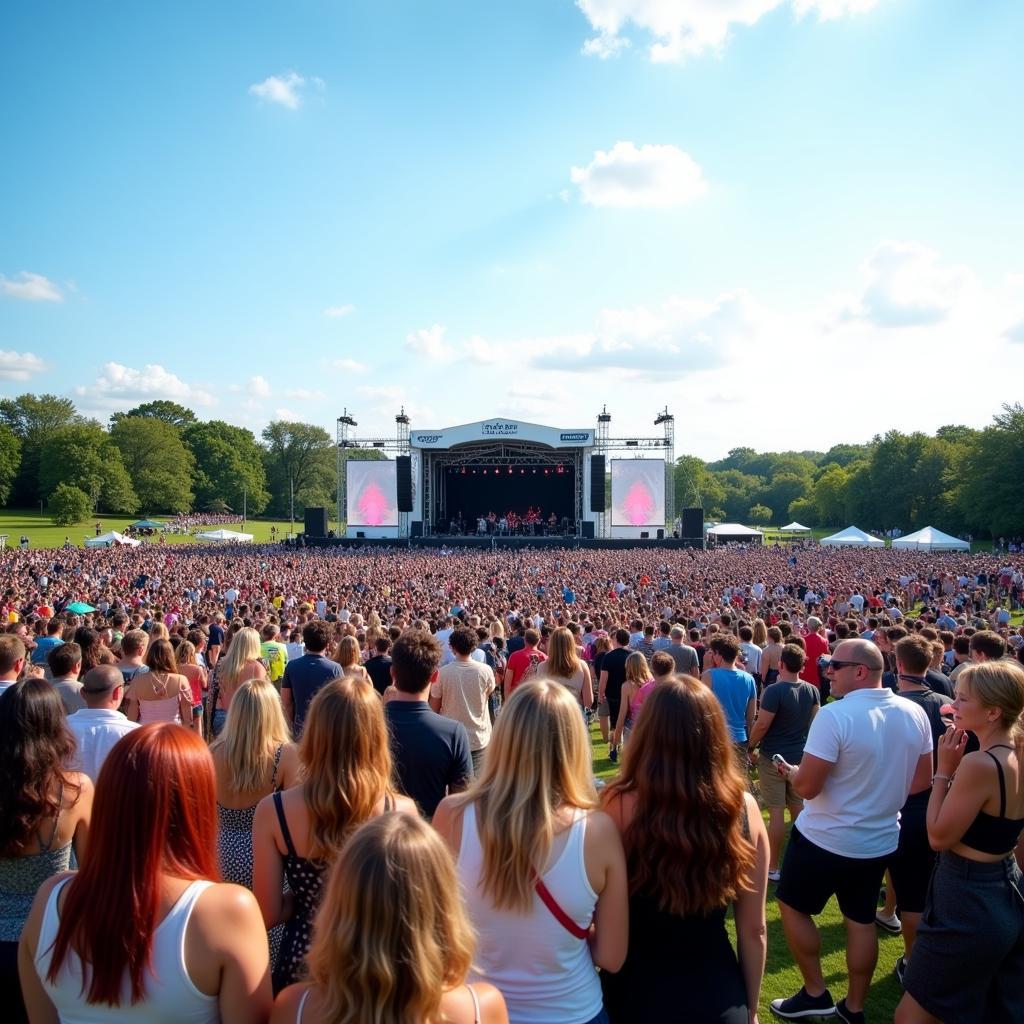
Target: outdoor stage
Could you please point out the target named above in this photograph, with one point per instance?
(501, 543)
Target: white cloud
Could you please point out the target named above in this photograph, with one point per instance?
(349, 365)
(259, 386)
(287, 414)
(121, 385)
(429, 342)
(907, 285)
(19, 365)
(339, 311)
(631, 176)
(30, 287)
(304, 394)
(285, 90)
(685, 28)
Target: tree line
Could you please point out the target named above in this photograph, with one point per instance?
(159, 457)
(960, 480)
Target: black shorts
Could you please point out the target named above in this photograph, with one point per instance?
(911, 864)
(811, 876)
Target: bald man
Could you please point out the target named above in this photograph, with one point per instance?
(865, 752)
(99, 725)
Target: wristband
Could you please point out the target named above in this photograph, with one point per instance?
(937, 775)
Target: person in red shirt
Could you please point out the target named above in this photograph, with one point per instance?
(524, 661)
(816, 644)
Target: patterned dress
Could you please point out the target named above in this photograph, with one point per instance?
(234, 849)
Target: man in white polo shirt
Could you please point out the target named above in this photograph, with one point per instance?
(864, 754)
(99, 725)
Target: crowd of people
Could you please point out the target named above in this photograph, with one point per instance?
(531, 523)
(347, 785)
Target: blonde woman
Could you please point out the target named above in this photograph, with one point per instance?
(380, 951)
(564, 666)
(538, 863)
(253, 757)
(638, 675)
(347, 653)
(240, 664)
(298, 834)
(162, 694)
(760, 633)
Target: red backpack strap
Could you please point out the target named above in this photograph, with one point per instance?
(557, 912)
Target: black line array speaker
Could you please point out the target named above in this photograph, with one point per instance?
(403, 467)
(588, 529)
(693, 523)
(597, 502)
(316, 521)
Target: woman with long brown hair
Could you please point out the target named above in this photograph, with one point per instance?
(565, 666)
(298, 834)
(162, 694)
(382, 951)
(44, 812)
(143, 933)
(695, 844)
(539, 864)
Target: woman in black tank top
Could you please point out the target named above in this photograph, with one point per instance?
(968, 959)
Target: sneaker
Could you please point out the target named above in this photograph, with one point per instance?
(775, 877)
(613, 755)
(801, 1006)
(848, 1016)
(891, 924)
(900, 970)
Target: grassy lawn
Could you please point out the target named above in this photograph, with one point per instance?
(781, 977)
(42, 533)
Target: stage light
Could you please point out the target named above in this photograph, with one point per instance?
(521, 472)
(485, 472)
(545, 472)
(509, 470)
(463, 470)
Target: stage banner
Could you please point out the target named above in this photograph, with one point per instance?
(638, 492)
(508, 430)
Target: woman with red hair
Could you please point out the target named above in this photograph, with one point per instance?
(143, 932)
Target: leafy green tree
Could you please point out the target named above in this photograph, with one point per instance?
(10, 460)
(784, 489)
(759, 514)
(229, 466)
(84, 455)
(160, 409)
(829, 495)
(69, 505)
(32, 418)
(740, 491)
(991, 491)
(298, 457)
(804, 511)
(695, 485)
(844, 454)
(738, 458)
(158, 463)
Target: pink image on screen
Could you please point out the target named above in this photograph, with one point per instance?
(373, 505)
(639, 504)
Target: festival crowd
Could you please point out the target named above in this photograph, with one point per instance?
(348, 785)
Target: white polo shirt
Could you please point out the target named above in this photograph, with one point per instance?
(96, 731)
(875, 740)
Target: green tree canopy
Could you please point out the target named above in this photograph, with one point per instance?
(69, 505)
(158, 463)
(160, 409)
(32, 418)
(991, 492)
(10, 460)
(229, 466)
(84, 455)
(298, 457)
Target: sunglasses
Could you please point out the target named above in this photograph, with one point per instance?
(834, 665)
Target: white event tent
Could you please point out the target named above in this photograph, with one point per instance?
(109, 540)
(225, 536)
(794, 527)
(851, 537)
(930, 539)
(734, 531)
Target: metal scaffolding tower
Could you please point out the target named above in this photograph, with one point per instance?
(666, 419)
(403, 448)
(343, 442)
(601, 442)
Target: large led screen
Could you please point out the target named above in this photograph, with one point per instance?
(638, 492)
(372, 489)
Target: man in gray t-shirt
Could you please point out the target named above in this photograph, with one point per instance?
(787, 708)
(685, 657)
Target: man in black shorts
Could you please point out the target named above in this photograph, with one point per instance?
(864, 754)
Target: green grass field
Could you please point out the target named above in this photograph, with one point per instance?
(781, 977)
(42, 533)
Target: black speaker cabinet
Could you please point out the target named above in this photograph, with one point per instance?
(316, 521)
(693, 523)
(597, 468)
(416, 528)
(403, 467)
(588, 529)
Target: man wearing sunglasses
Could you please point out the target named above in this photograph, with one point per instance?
(864, 754)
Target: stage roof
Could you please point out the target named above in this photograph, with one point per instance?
(503, 430)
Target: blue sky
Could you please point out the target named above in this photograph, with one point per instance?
(793, 222)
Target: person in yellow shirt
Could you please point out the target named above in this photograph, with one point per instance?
(274, 653)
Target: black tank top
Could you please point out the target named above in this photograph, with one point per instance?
(989, 833)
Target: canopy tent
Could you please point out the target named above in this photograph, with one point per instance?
(79, 608)
(930, 539)
(149, 524)
(723, 533)
(851, 537)
(225, 536)
(794, 527)
(108, 540)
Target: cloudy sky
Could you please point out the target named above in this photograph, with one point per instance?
(792, 222)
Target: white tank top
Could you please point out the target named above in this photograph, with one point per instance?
(170, 996)
(544, 973)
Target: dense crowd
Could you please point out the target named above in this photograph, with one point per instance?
(240, 752)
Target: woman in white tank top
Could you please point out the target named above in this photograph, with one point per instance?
(565, 666)
(539, 866)
(163, 943)
(382, 949)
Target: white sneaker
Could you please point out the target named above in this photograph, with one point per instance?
(891, 924)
